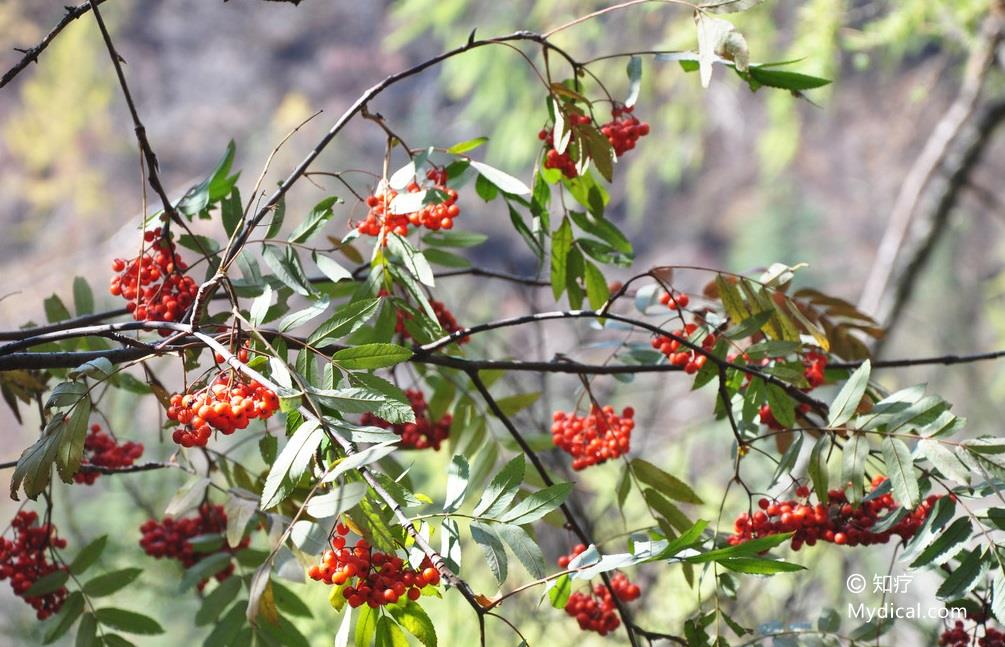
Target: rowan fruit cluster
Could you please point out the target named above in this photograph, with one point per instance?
(171, 538)
(596, 610)
(25, 559)
(624, 129)
(837, 521)
(595, 438)
(381, 219)
(230, 403)
(154, 284)
(444, 317)
(679, 355)
(814, 366)
(424, 433)
(367, 576)
(562, 161)
(675, 300)
(101, 450)
(958, 636)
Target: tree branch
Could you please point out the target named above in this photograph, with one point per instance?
(31, 55)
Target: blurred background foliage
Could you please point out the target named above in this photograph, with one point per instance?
(728, 179)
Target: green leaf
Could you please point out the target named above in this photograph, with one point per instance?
(561, 244)
(759, 75)
(129, 621)
(300, 317)
(538, 504)
(457, 483)
(492, 548)
(366, 626)
(465, 146)
(829, 621)
(68, 615)
(513, 404)
(55, 311)
(88, 555)
(817, 467)
(502, 490)
(330, 268)
(596, 286)
(944, 460)
(446, 259)
(388, 634)
(856, 450)
(319, 215)
(370, 356)
(228, 627)
(204, 569)
(413, 260)
(524, 547)
(663, 482)
(87, 631)
(110, 582)
(346, 320)
(503, 181)
(454, 238)
(947, 545)
(83, 298)
(634, 72)
(291, 463)
(260, 306)
(848, 399)
(231, 212)
(759, 566)
(413, 618)
(782, 406)
(900, 471)
(218, 600)
(287, 268)
(324, 506)
(47, 584)
(963, 578)
(559, 591)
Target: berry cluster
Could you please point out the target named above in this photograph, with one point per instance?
(25, 560)
(624, 129)
(101, 450)
(561, 161)
(815, 364)
(421, 434)
(596, 611)
(228, 404)
(154, 284)
(675, 300)
(380, 220)
(366, 576)
(444, 317)
(171, 538)
(960, 637)
(593, 439)
(837, 522)
(690, 360)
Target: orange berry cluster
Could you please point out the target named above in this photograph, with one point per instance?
(366, 576)
(596, 611)
(816, 364)
(25, 560)
(691, 361)
(444, 317)
(100, 449)
(171, 538)
(593, 439)
(228, 404)
(154, 284)
(960, 637)
(424, 432)
(837, 522)
(624, 129)
(554, 159)
(380, 221)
